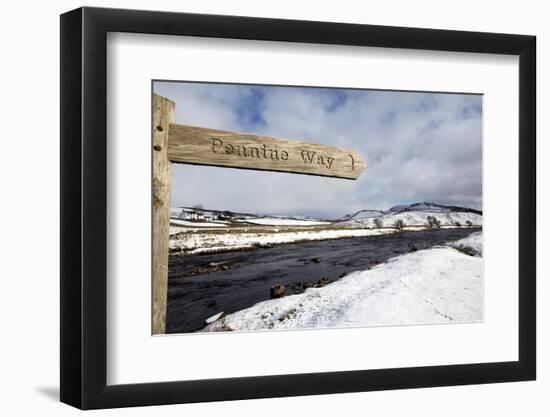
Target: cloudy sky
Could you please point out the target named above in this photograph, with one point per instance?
(418, 147)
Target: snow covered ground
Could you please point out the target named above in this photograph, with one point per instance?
(472, 244)
(178, 226)
(275, 221)
(437, 285)
(187, 223)
(193, 243)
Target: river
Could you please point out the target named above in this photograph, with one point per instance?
(200, 286)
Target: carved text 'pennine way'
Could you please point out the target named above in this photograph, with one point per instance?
(196, 145)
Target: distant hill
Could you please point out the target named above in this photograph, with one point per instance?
(416, 207)
(415, 215)
(433, 207)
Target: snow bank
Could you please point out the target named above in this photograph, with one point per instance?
(438, 285)
(210, 242)
(471, 245)
(187, 237)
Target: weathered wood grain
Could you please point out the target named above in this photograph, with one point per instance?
(197, 145)
(163, 115)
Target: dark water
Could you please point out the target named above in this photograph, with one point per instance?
(202, 285)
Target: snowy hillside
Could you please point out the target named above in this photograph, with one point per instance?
(438, 285)
(417, 218)
(415, 215)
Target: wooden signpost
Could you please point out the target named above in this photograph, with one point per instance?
(201, 146)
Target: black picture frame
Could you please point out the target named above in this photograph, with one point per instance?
(84, 207)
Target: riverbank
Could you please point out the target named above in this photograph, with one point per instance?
(438, 285)
(192, 241)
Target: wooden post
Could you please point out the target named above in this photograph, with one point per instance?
(163, 116)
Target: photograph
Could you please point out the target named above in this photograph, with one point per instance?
(282, 206)
(384, 228)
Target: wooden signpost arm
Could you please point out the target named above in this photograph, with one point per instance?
(202, 146)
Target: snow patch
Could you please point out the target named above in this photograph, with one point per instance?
(274, 221)
(187, 223)
(471, 245)
(214, 318)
